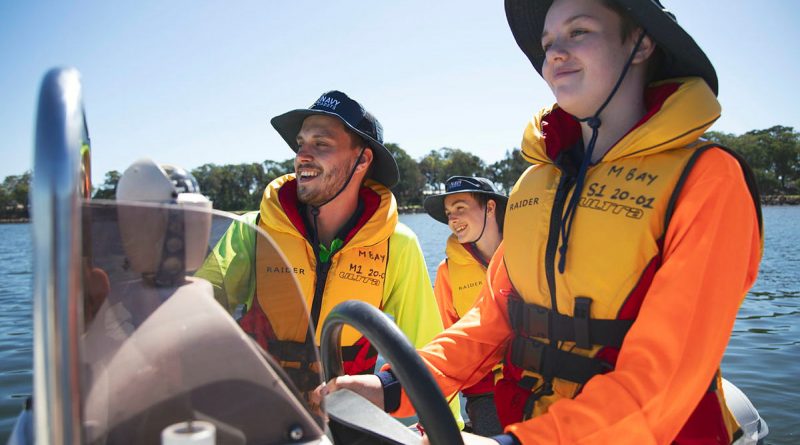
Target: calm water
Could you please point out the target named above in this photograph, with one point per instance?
(762, 357)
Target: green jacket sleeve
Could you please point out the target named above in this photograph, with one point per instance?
(229, 265)
(408, 297)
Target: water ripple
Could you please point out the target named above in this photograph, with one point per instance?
(761, 357)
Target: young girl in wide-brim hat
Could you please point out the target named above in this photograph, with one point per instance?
(628, 246)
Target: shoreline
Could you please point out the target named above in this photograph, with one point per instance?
(14, 220)
(780, 200)
(766, 200)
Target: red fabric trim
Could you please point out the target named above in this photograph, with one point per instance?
(561, 130)
(485, 385)
(630, 309)
(371, 200)
(705, 425)
(473, 250)
(257, 326)
(362, 363)
(509, 399)
(287, 197)
(654, 98)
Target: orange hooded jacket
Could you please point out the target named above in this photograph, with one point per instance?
(711, 252)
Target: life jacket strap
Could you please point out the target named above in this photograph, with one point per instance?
(551, 362)
(291, 351)
(581, 322)
(546, 389)
(531, 320)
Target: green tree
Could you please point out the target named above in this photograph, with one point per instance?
(507, 171)
(275, 169)
(232, 187)
(782, 144)
(432, 168)
(773, 154)
(461, 163)
(5, 201)
(239, 187)
(409, 190)
(108, 189)
(14, 201)
(438, 165)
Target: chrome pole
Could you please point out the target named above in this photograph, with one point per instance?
(57, 289)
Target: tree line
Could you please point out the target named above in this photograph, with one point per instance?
(773, 153)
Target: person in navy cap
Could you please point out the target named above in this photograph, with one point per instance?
(336, 221)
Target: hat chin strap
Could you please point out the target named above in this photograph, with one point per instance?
(315, 208)
(485, 213)
(593, 122)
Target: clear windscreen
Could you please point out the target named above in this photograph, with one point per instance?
(190, 314)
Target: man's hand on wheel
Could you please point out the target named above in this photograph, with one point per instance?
(367, 386)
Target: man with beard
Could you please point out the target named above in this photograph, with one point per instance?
(336, 222)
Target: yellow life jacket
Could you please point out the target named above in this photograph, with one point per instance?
(467, 275)
(356, 271)
(569, 326)
(612, 243)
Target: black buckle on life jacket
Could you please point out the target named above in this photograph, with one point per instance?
(549, 361)
(528, 354)
(528, 382)
(529, 319)
(580, 318)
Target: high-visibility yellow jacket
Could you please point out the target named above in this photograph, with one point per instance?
(381, 262)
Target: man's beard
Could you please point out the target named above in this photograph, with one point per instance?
(323, 187)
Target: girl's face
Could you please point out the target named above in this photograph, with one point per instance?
(465, 216)
(584, 54)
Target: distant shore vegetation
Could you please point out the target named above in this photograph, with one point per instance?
(773, 154)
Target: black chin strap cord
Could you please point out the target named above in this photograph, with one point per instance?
(594, 123)
(485, 212)
(315, 208)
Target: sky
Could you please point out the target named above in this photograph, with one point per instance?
(194, 82)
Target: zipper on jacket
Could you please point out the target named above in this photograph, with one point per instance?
(564, 185)
(321, 271)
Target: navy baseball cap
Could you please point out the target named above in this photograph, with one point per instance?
(434, 204)
(353, 116)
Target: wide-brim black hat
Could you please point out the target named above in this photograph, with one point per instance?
(682, 56)
(434, 204)
(355, 118)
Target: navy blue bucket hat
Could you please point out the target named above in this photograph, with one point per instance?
(356, 119)
(682, 55)
(434, 204)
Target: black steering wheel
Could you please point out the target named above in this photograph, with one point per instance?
(407, 366)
